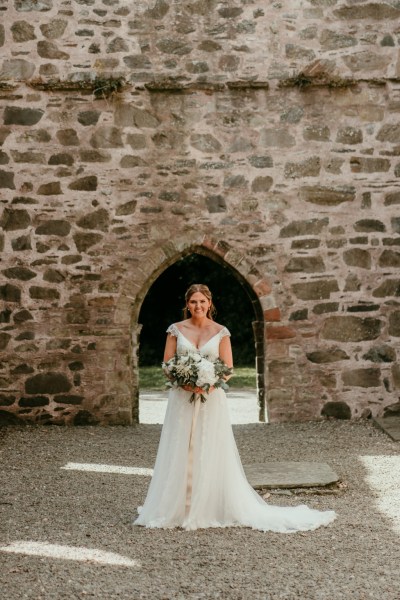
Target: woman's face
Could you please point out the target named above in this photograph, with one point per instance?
(198, 305)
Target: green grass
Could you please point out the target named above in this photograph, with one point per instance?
(152, 378)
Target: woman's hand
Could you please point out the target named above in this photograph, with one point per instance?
(197, 390)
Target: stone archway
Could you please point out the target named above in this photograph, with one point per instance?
(256, 286)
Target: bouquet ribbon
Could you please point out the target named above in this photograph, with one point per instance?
(197, 398)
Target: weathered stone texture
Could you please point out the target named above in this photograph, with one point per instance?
(133, 133)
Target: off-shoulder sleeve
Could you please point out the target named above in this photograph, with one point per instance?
(173, 330)
(224, 332)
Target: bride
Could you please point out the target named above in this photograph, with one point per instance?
(198, 478)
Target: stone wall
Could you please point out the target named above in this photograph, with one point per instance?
(264, 134)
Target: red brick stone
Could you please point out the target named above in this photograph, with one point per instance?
(272, 314)
(280, 333)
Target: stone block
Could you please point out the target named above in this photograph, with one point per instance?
(54, 29)
(289, 475)
(93, 156)
(381, 354)
(68, 137)
(389, 258)
(57, 227)
(6, 400)
(351, 329)
(127, 115)
(362, 377)
(13, 219)
(22, 316)
(292, 114)
(126, 209)
(357, 257)
(22, 273)
(325, 307)
(260, 162)
(392, 199)
(316, 133)
(280, 333)
(394, 323)
(329, 355)
(215, 203)
(334, 40)
(336, 410)
(261, 184)
(315, 290)
(299, 315)
(131, 161)
(327, 196)
(97, 220)
(7, 180)
(310, 167)
(205, 142)
(84, 241)
(14, 115)
(42, 293)
(369, 225)
(53, 276)
(68, 399)
(33, 5)
(53, 188)
(389, 133)
(306, 264)
(47, 383)
(367, 60)
(62, 158)
(84, 184)
(34, 401)
(10, 293)
(395, 223)
(277, 137)
(4, 339)
(306, 227)
(174, 46)
(22, 31)
(307, 244)
(349, 135)
(390, 287)
(107, 136)
(359, 164)
(17, 68)
(46, 49)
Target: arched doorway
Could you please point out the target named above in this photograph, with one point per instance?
(238, 308)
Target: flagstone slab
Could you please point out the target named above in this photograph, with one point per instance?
(289, 474)
(390, 425)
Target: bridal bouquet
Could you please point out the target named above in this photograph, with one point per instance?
(197, 371)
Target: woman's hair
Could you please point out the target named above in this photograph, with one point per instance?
(203, 289)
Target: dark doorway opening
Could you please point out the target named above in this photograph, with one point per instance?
(165, 300)
(237, 308)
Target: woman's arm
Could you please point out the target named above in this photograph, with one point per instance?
(225, 352)
(170, 347)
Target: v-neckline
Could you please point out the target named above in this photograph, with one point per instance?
(205, 343)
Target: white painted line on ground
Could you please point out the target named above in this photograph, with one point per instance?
(384, 477)
(69, 553)
(93, 467)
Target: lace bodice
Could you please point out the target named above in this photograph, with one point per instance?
(209, 348)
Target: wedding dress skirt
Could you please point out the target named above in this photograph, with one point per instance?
(198, 478)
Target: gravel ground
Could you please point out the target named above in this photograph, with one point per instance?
(357, 557)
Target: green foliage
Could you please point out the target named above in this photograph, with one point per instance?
(152, 378)
(105, 87)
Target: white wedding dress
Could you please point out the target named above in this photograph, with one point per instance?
(198, 478)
